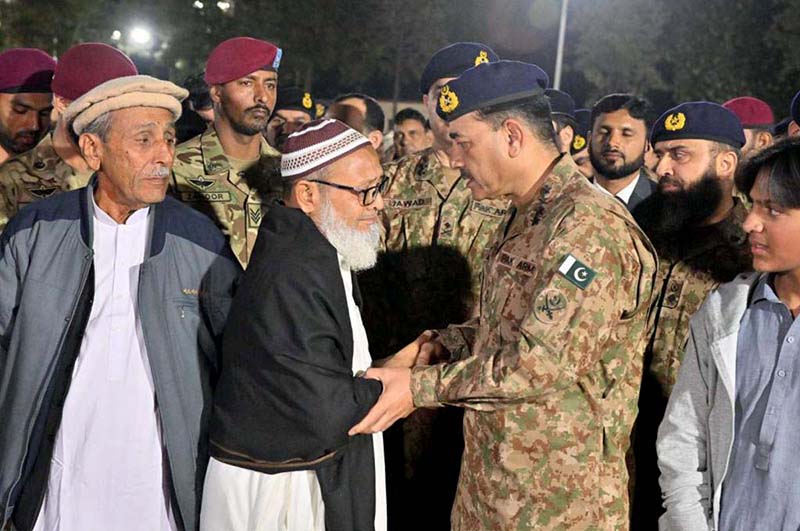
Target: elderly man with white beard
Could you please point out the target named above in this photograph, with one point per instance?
(290, 385)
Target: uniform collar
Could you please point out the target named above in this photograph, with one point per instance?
(214, 158)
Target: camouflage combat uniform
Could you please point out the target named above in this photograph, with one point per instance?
(34, 175)
(710, 256)
(428, 276)
(204, 178)
(549, 371)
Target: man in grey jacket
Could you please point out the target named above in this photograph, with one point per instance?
(112, 305)
(727, 447)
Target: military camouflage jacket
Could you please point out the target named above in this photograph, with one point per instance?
(204, 178)
(34, 175)
(712, 256)
(428, 205)
(549, 371)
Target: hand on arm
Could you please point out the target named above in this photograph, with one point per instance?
(395, 402)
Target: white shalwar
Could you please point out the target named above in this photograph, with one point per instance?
(239, 499)
(107, 469)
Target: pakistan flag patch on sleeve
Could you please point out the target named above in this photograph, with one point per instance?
(576, 271)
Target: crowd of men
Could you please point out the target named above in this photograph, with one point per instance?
(230, 306)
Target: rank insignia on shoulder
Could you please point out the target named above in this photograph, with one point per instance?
(576, 271)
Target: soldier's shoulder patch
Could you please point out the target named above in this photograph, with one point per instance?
(550, 306)
(576, 271)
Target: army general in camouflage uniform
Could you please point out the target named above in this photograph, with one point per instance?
(696, 226)
(548, 372)
(428, 275)
(55, 163)
(229, 172)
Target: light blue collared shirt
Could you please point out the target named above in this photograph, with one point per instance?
(761, 490)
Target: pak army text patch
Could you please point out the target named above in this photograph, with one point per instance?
(576, 271)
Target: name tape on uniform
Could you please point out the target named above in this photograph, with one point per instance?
(576, 271)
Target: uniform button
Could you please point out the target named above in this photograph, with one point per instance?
(781, 373)
(790, 339)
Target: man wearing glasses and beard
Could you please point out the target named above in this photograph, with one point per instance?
(290, 386)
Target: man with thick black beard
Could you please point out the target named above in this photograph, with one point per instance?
(696, 226)
(617, 147)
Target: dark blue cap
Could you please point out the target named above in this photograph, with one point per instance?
(560, 102)
(581, 140)
(701, 120)
(795, 108)
(453, 60)
(492, 84)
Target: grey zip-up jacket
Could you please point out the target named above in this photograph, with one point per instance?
(696, 436)
(186, 285)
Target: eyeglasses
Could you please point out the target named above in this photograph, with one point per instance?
(367, 195)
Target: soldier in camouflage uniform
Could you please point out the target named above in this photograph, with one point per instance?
(55, 163)
(696, 226)
(230, 172)
(428, 275)
(548, 372)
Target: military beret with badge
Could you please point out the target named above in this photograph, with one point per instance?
(488, 85)
(701, 120)
(240, 56)
(296, 99)
(453, 60)
(583, 117)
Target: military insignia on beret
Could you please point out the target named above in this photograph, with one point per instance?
(320, 110)
(578, 143)
(448, 100)
(482, 58)
(576, 271)
(307, 103)
(675, 122)
(550, 305)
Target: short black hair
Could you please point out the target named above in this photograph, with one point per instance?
(637, 106)
(375, 119)
(408, 113)
(534, 110)
(783, 161)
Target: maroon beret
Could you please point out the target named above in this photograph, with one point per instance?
(752, 112)
(240, 56)
(26, 70)
(84, 66)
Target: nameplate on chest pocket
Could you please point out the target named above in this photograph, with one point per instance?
(408, 203)
(516, 263)
(488, 210)
(205, 197)
(672, 297)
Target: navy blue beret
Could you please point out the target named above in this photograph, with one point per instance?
(560, 102)
(701, 120)
(795, 108)
(580, 140)
(295, 99)
(453, 60)
(491, 84)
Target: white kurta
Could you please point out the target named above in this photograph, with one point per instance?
(107, 469)
(244, 500)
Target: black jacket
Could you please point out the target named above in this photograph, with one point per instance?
(287, 395)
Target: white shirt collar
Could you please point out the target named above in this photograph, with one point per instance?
(624, 194)
(134, 219)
